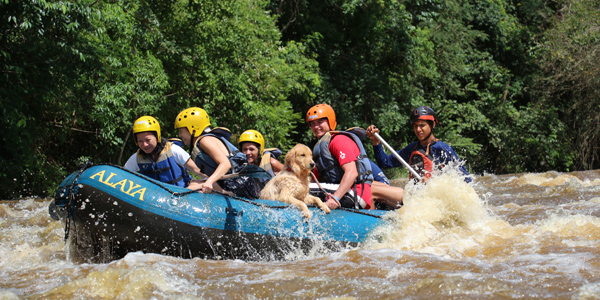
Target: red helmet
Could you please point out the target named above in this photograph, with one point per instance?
(320, 111)
(423, 113)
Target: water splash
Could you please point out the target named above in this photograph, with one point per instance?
(432, 212)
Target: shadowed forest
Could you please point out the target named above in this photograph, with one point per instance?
(515, 84)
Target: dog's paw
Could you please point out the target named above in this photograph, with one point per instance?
(325, 209)
(307, 214)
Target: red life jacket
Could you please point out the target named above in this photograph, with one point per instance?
(421, 160)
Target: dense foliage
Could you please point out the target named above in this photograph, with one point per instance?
(514, 84)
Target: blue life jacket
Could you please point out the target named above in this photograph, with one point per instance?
(329, 168)
(177, 142)
(165, 169)
(207, 164)
(265, 161)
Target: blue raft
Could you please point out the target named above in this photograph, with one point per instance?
(109, 211)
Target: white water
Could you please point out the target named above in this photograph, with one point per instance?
(520, 236)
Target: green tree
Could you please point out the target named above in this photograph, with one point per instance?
(470, 60)
(571, 76)
(226, 57)
(76, 74)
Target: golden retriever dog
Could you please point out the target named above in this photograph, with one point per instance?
(291, 184)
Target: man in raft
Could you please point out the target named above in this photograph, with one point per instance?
(340, 158)
(424, 155)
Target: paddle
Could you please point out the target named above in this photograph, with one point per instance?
(248, 170)
(415, 174)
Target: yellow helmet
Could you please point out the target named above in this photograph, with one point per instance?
(195, 119)
(252, 136)
(145, 124)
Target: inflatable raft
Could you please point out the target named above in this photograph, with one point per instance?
(109, 211)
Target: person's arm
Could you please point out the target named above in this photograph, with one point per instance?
(276, 165)
(131, 163)
(350, 174)
(345, 151)
(191, 165)
(384, 160)
(210, 145)
(444, 154)
(183, 158)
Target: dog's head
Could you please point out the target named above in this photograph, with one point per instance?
(299, 159)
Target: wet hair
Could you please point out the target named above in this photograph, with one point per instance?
(159, 147)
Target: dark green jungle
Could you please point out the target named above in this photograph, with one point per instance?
(516, 84)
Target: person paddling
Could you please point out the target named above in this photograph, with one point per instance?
(159, 158)
(340, 158)
(252, 144)
(424, 155)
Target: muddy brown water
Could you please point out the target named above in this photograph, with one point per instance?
(517, 236)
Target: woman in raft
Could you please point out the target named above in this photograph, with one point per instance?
(252, 144)
(159, 158)
(214, 154)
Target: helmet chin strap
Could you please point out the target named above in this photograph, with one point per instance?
(427, 137)
(192, 140)
(432, 125)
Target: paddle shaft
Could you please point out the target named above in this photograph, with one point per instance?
(226, 176)
(415, 174)
(249, 170)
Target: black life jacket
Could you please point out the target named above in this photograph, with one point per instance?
(329, 168)
(207, 165)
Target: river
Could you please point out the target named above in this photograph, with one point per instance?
(517, 236)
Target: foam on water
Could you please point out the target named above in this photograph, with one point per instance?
(136, 276)
(553, 179)
(28, 236)
(572, 226)
(447, 217)
(436, 215)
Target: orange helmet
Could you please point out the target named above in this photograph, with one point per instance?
(320, 111)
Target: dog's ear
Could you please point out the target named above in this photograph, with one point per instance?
(290, 157)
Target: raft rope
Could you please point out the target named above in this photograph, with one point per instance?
(324, 191)
(179, 194)
(71, 196)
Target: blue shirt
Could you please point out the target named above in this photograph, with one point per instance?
(441, 152)
(378, 175)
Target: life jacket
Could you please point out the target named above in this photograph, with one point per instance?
(421, 160)
(265, 161)
(207, 164)
(329, 168)
(177, 142)
(165, 168)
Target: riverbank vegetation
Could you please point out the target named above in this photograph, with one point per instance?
(515, 83)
